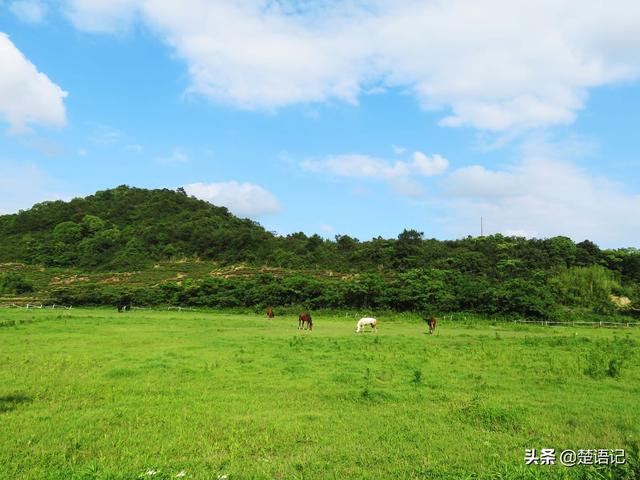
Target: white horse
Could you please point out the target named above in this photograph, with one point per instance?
(372, 322)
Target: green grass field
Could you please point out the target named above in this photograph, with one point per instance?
(92, 394)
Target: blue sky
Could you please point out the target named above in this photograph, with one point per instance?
(352, 117)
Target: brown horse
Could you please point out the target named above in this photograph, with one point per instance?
(303, 318)
(270, 313)
(432, 324)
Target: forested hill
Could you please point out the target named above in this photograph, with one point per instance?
(125, 228)
(132, 230)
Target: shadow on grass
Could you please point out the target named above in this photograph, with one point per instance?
(10, 402)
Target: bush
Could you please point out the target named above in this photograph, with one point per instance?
(14, 283)
(607, 359)
(524, 297)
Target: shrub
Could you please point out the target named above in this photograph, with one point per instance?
(14, 283)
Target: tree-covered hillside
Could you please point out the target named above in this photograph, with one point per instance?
(127, 228)
(130, 229)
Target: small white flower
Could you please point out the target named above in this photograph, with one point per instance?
(223, 477)
(150, 472)
(181, 473)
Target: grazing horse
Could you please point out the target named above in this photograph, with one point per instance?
(303, 318)
(372, 322)
(270, 313)
(126, 306)
(432, 323)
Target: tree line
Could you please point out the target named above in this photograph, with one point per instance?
(130, 229)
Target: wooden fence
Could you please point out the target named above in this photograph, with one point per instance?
(581, 324)
(28, 306)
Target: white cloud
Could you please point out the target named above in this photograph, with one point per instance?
(398, 174)
(177, 157)
(22, 184)
(398, 150)
(244, 199)
(248, 53)
(477, 182)
(105, 135)
(135, 147)
(45, 146)
(494, 65)
(406, 187)
(429, 166)
(27, 96)
(357, 166)
(364, 166)
(543, 196)
(30, 11)
(102, 16)
(499, 65)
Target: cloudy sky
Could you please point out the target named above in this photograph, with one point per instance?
(359, 117)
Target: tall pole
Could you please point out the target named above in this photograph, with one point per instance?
(481, 227)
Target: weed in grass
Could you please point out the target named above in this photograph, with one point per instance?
(492, 418)
(296, 342)
(608, 358)
(10, 402)
(615, 367)
(120, 373)
(370, 395)
(417, 378)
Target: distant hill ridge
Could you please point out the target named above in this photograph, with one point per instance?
(127, 227)
(164, 247)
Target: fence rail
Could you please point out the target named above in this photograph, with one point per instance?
(466, 318)
(581, 324)
(28, 306)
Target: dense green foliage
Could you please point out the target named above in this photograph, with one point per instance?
(14, 283)
(128, 228)
(133, 229)
(97, 395)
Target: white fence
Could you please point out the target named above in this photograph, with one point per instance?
(581, 324)
(28, 306)
(547, 323)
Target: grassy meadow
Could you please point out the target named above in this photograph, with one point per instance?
(93, 394)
